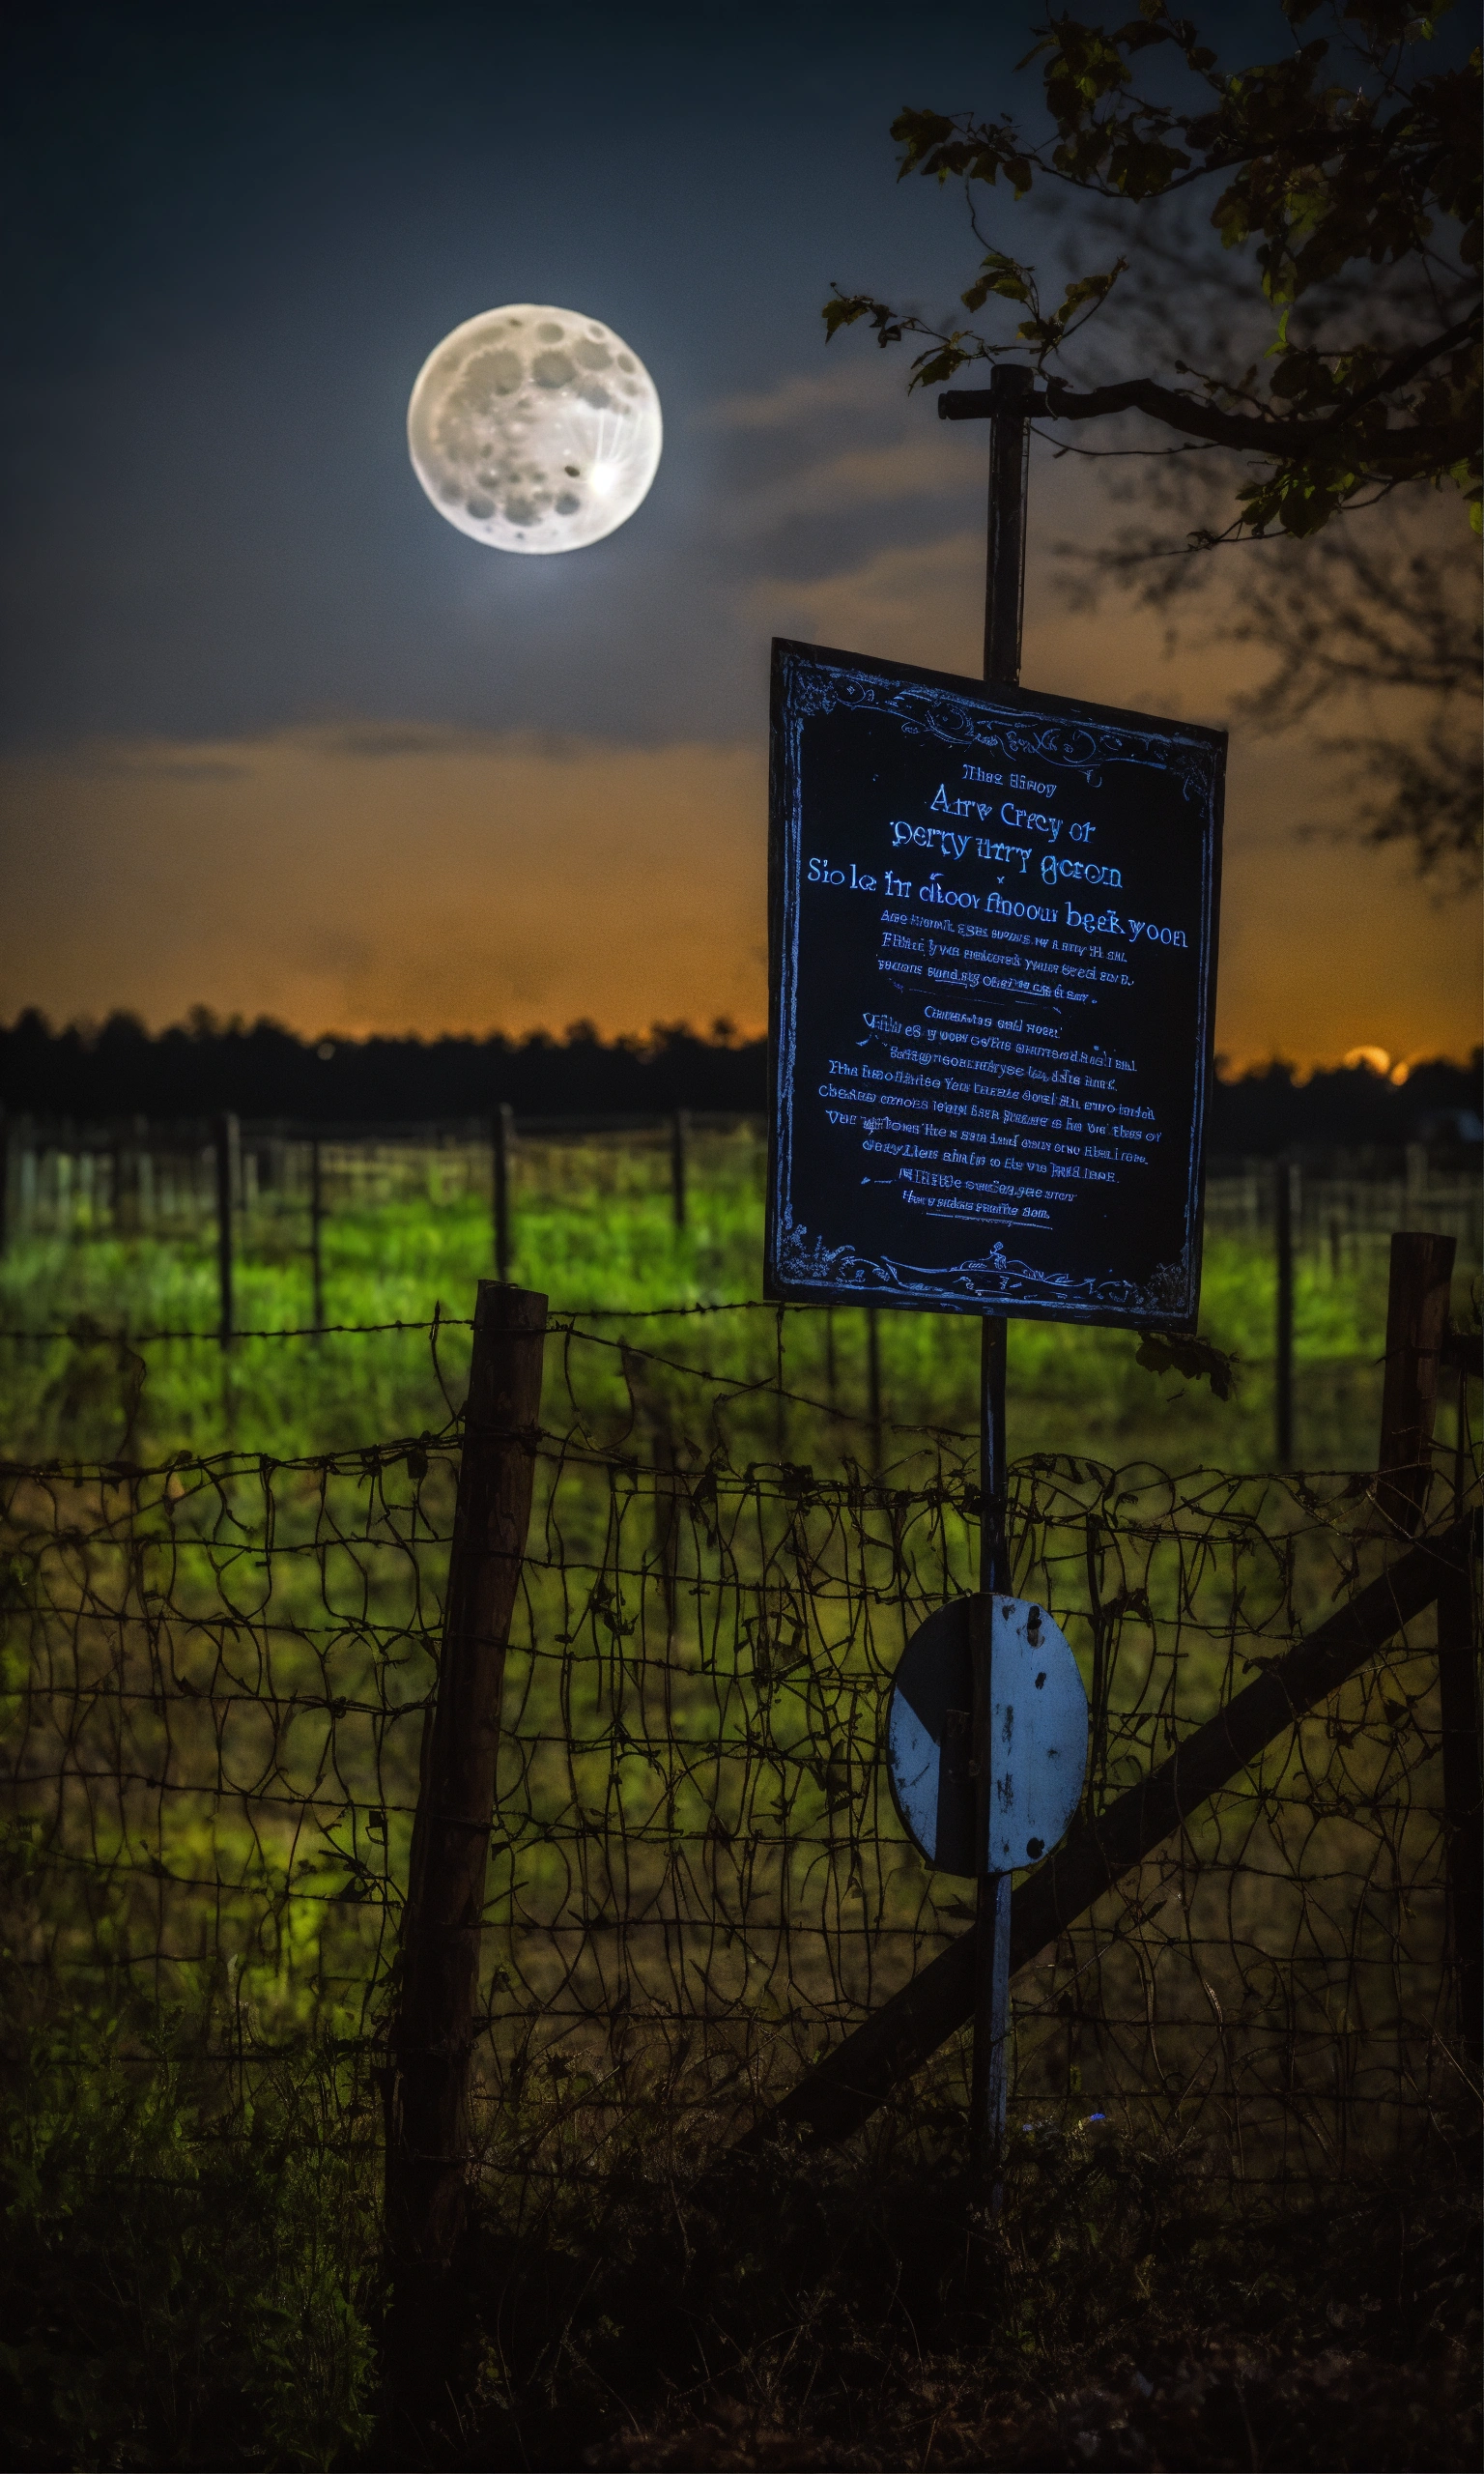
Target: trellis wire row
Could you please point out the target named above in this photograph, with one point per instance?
(136, 1178)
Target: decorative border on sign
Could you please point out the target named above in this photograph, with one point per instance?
(934, 712)
(988, 1279)
(809, 682)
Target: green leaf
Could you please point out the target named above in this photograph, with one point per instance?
(1003, 276)
(1185, 1353)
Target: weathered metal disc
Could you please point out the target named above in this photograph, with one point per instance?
(1039, 1737)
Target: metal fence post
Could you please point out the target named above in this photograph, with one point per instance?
(227, 1144)
(874, 1385)
(502, 1144)
(427, 2164)
(679, 1141)
(1285, 1178)
(1416, 1179)
(315, 1231)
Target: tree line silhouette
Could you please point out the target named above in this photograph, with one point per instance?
(119, 1069)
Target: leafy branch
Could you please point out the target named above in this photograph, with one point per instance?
(1321, 175)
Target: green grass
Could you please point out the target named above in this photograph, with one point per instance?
(191, 2273)
(593, 1230)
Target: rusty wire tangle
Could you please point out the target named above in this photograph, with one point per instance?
(217, 1672)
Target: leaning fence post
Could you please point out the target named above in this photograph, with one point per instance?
(1417, 1334)
(503, 1142)
(227, 1144)
(427, 2166)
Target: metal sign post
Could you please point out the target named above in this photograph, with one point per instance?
(993, 942)
(987, 1747)
(1008, 403)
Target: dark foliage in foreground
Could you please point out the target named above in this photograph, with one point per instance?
(190, 2277)
(854, 2312)
(118, 1071)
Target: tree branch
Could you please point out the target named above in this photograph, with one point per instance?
(1263, 434)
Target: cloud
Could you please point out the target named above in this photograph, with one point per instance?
(352, 877)
(801, 457)
(922, 604)
(798, 400)
(357, 880)
(894, 474)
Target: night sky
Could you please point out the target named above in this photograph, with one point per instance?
(277, 738)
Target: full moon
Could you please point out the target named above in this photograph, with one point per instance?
(534, 429)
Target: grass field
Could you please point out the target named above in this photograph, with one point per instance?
(593, 1228)
(214, 1685)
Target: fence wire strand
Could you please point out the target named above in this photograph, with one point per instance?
(217, 1670)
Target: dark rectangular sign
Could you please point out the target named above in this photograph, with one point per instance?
(992, 925)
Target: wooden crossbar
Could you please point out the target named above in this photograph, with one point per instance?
(842, 2091)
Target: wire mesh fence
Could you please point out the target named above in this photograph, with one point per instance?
(138, 1179)
(217, 1673)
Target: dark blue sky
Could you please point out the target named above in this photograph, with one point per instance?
(272, 734)
(237, 232)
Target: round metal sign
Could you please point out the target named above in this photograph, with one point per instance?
(1037, 1735)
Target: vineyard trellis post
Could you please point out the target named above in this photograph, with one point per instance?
(873, 1389)
(317, 1231)
(679, 1144)
(1285, 1181)
(227, 1146)
(502, 1144)
(432, 2039)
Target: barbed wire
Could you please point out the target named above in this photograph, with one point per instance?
(217, 1671)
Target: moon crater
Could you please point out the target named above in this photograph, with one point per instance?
(534, 429)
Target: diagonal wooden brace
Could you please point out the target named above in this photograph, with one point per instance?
(839, 2094)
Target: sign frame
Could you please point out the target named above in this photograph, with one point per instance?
(1019, 726)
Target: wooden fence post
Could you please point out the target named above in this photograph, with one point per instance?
(427, 2164)
(317, 1231)
(679, 1143)
(227, 1144)
(1418, 1344)
(873, 1386)
(502, 1142)
(1285, 1178)
(1417, 1335)
(1458, 1691)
